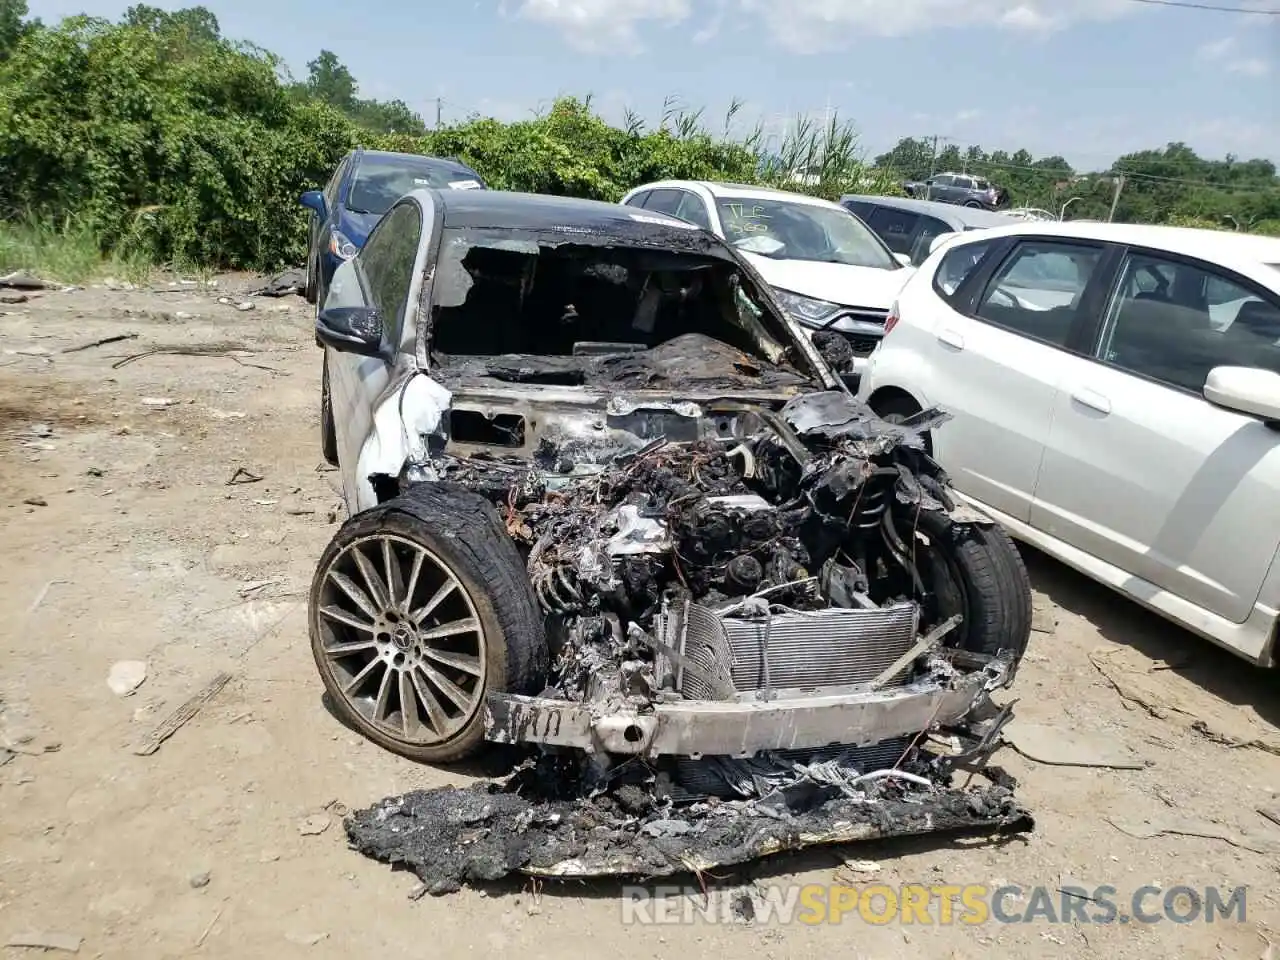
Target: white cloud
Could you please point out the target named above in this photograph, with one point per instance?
(604, 25)
(811, 25)
(805, 26)
(1217, 49)
(1227, 54)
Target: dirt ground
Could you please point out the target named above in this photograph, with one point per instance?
(125, 540)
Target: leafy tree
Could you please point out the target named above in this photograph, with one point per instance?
(165, 138)
(329, 81)
(13, 25)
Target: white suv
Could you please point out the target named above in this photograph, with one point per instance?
(1116, 403)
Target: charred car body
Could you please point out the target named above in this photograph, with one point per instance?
(607, 499)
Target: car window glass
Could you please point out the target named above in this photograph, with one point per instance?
(387, 264)
(382, 180)
(331, 188)
(956, 266)
(663, 201)
(1037, 290)
(943, 181)
(894, 227)
(692, 208)
(929, 228)
(859, 208)
(639, 199)
(786, 229)
(1198, 319)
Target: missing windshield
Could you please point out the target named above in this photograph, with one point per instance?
(567, 313)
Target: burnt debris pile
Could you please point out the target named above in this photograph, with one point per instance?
(539, 823)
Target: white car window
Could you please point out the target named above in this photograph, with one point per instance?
(957, 265)
(1200, 319)
(1037, 290)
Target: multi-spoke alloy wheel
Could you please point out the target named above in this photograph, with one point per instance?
(421, 606)
(403, 638)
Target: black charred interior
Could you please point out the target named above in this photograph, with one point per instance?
(574, 313)
(500, 430)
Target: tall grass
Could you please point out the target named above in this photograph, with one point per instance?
(68, 251)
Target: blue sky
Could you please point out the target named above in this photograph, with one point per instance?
(1087, 79)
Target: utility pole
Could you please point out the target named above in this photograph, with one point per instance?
(1115, 200)
(933, 159)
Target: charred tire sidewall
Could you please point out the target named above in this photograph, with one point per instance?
(464, 531)
(994, 579)
(328, 433)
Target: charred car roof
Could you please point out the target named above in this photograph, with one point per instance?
(507, 210)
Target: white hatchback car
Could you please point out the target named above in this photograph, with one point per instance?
(1116, 400)
(827, 267)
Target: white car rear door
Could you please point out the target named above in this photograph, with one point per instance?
(996, 356)
(1141, 471)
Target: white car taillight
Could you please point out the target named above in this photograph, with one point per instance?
(891, 320)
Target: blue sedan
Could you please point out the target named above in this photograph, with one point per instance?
(361, 190)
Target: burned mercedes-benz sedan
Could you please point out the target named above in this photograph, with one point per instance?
(608, 501)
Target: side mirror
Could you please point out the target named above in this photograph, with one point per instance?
(1248, 390)
(351, 330)
(314, 200)
(903, 258)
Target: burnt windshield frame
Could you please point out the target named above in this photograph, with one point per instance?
(681, 242)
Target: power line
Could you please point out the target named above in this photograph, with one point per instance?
(1216, 8)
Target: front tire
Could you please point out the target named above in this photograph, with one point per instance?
(419, 608)
(975, 570)
(328, 433)
(310, 290)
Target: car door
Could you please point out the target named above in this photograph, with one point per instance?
(1141, 471)
(927, 228)
(693, 209)
(380, 276)
(894, 226)
(666, 200)
(859, 208)
(319, 227)
(638, 199)
(994, 364)
(939, 188)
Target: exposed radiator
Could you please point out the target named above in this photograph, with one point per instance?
(724, 656)
(822, 648)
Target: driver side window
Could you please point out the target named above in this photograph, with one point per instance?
(386, 263)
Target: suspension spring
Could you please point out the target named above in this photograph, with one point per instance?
(557, 590)
(873, 499)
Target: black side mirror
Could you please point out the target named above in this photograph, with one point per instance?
(351, 330)
(313, 200)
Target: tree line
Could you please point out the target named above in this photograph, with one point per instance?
(170, 141)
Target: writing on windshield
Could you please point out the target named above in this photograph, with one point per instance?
(796, 230)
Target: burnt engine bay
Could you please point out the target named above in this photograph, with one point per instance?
(758, 637)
